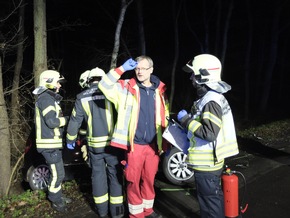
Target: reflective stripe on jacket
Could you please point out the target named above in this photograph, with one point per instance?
(48, 121)
(125, 96)
(206, 155)
(92, 106)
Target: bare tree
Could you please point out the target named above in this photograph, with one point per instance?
(40, 39)
(7, 46)
(225, 32)
(175, 13)
(272, 58)
(5, 166)
(116, 48)
(141, 31)
(15, 104)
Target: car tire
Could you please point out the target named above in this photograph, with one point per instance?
(175, 169)
(38, 177)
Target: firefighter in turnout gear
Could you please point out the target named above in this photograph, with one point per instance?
(92, 106)
(142, 108)
(211, 131)
(49, 123)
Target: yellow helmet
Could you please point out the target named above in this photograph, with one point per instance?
(49, 79)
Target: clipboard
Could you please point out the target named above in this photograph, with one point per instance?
(176, 135)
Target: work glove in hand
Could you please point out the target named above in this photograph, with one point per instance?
(184, 118)
(85, 152)
(181, 114)
(130, 64)
(71, 146)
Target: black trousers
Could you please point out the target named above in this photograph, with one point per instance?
(209, 194)
(55, 163)
(107, 183)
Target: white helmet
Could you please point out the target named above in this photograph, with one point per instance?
(49, 79)
(88, 75)
(207, 70)
(83, 81)
(96, 72)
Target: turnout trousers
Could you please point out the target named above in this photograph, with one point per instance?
(55, 163)
(209, 194)
(140, 171)
(107, 183)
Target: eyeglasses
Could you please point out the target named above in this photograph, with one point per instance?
(142, 69)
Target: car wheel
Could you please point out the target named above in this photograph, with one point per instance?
(175, 169)
(38, 177)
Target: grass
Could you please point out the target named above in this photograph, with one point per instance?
(23, 204)
(35, 204)
(272, 132)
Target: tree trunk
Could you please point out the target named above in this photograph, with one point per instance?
(40, 38)
(176, 14)
(118, 33)
(5, 149)
(218, 27)
(225, 33)
(206, 28)
(268, 73)
(142, 43)
(15, 104)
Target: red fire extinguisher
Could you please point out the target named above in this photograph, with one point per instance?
(230, 183)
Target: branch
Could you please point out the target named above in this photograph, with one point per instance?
(13, 171)
(12, 12)
(66, 25)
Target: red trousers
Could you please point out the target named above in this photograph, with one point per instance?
(142, 166)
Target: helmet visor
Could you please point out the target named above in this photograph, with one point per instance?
(61, 79)
(188, 68)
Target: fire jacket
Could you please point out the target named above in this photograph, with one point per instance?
(92, 106)
(213, 135)
(49, 121)
(125, 95)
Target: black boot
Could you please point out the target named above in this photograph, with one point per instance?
(66, 200)
(59, 206)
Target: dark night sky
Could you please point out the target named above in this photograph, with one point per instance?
(87, 46)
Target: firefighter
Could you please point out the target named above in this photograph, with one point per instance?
(83, 82)
(142, 108)
(211, 131)
(92, 106)
(49, 123)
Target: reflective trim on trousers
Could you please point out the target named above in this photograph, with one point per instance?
(135, 209)
(148, 203)
(101, 199)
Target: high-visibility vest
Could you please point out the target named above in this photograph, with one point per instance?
(209, 156)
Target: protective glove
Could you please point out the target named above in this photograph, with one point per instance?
(85, 152)
(71, 146)
(184, 118)
(130, 64)
(181, 114)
